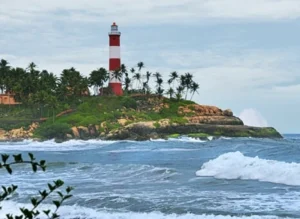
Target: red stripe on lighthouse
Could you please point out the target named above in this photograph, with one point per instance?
(114, 59)
(114, 41)
(114, 64)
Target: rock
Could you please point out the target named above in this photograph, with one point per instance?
(164, 122)
(83, 132)
(122, 121)
(75, 132)
(140, 131)
(69, 136)
(103, 125)
(93, 131)
(149, 124)
(228, 112)
(2, 134)
(217, 120)
(97, 127)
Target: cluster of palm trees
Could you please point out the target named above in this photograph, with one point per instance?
(33, 86)
(179, 85)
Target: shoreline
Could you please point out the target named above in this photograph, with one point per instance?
(144, 132)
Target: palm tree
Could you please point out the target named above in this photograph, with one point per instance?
(157, 75)
(159, 82)
(179, 92)
(173, 76)
(188, 82)
(127, 83)
(137, 77)
(194, 88)
(47, 81)
(132, 70)
(31, 67)
(140, 65)
(159, 91)
(98, 78)
(148, 75)
(146, 88)
(170, 92)
(117, 74)
(123, 69)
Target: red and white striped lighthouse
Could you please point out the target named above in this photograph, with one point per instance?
(114, 59)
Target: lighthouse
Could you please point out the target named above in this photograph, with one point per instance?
(114, 60)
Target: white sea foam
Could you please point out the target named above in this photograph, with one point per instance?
(252, 117)
(235, 165)
(71, 212)
(181, 139)
(51, 145)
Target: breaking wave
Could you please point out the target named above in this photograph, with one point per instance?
(252, 117)
(51, 145)
(77, 212)
(235, 165)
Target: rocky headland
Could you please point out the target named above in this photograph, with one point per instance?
(141, 118)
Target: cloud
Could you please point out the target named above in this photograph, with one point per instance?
(136, 12)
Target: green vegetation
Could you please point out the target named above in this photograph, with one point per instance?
(44, 95)
(55, 130)
(174, 136)
(30, 213)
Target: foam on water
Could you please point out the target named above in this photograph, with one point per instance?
(72, 212)
(51, 145)
(235, 165)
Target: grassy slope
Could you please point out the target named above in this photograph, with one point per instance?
(108, 110)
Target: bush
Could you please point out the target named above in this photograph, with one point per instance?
(129, 102)
(56, 130)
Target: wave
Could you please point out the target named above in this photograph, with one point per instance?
(78, 212)
(51, 145)
(235, 165)
(180, 139)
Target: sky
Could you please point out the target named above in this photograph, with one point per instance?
(243, 53)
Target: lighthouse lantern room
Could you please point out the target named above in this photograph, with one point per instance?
(114, 60)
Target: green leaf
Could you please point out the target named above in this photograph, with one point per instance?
(60, 194)
(34, 167)
(14, 187)
(43, 193)
(69, 189)
(67, 197)
(9, 216)
(18, 158)
(47, 212)
(9, 170)
(51, 188)
(59, 183)
(4, 157)
(34, 202)
(4, 189)
(31, 156)
(56, 203)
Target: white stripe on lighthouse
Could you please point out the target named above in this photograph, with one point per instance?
(114, 52)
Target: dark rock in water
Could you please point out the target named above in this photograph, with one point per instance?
(144, 131)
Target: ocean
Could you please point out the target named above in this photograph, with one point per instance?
(177, 178)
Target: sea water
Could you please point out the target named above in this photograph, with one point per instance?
(177, 178)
